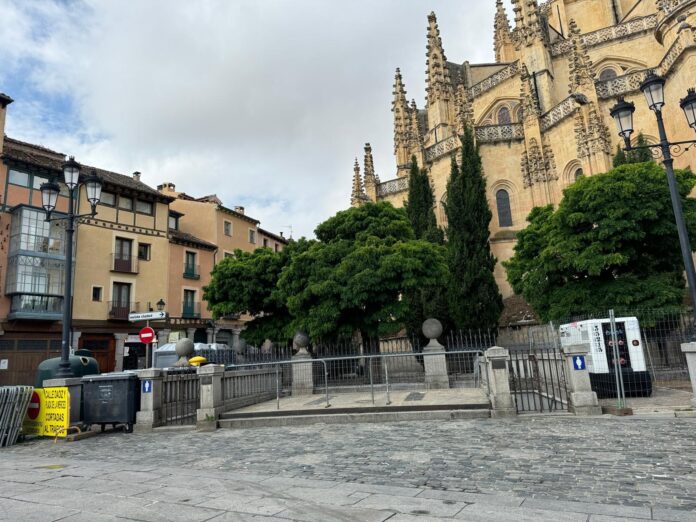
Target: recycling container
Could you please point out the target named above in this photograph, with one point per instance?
(80, 366)
(111, 398)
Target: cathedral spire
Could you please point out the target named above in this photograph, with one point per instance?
(401, 113)
(581, 69)
(357, 196)
(415, 136)
(369, 164)
(529, 96)
(503, 35)
(526, 12)
(439, 86)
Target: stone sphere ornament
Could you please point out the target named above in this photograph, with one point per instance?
(301, 342)
(432, 328)
(184, 349)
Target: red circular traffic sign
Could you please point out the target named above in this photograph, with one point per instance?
(147, 335)
(34, 406)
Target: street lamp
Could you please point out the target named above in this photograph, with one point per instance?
(653, 88)
(160, 305)
(49, 199)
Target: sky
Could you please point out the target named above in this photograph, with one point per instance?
(265, 103)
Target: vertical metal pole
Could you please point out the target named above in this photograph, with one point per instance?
(386, 376)
(620, 394)
(277, 389)
(372, 386)
(326, 382)
(147, 350)
(64, 369)
(684, 242)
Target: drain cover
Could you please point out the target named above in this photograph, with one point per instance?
(415, 396)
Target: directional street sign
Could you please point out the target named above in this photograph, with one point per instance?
(147, 335)
(579, 363)
(147, 316)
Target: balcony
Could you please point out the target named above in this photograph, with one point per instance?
(118, 311)
(124, 264)
(36, 307)
(192, 272)
(190, 310)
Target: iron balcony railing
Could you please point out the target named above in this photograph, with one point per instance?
(126, 264)
(119, 310)
(190, 310)
(192, 272)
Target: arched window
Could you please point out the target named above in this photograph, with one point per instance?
(502, 202)
(607, 74)
(578, 174)
(504, 116)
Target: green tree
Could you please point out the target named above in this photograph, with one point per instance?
(640, 155)
(420, 209)
(353, 277)
(620, 157)
(248, 283)
(474, 298)
(612, 243)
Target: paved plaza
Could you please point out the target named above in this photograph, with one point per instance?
(541, 468)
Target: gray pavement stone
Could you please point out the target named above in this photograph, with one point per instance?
(10, 489)
(589, 508)
(249, 505)
(14, 510)
(473, 498)
(671, 515)
(412, 505)
(309, 513)
(488, 513)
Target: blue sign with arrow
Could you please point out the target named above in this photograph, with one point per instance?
(579, 363)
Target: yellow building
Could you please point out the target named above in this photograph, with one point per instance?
(541, 111)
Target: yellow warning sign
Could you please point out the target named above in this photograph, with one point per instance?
(48, 414)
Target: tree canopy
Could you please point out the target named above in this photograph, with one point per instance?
(612, 243)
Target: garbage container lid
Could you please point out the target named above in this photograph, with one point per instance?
(115, 376)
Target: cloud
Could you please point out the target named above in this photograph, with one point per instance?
(264, 102)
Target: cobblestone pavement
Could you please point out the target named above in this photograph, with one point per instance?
(543, 468)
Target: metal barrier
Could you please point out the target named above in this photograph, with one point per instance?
(537, 379)
(14, 401)
(383, 372)
(180, 396)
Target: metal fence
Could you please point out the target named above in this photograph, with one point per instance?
(14, 401)
(537, 379)
(180, 396)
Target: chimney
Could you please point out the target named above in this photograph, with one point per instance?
(5, 100)
(165, 187)
(281, 235)
(239, 210)
(136, 176)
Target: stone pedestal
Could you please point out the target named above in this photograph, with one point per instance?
(581, 399)
(302, 376)
(434, 360)
(150, 414)
(190, 333)
(74, 386)
(689, 350)
(498, 371)
(120, 349)
(211, 397)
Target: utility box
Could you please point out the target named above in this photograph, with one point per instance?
(111, 398)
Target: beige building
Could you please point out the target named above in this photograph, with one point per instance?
(541, 111)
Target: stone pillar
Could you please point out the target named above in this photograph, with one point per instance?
(211, 397)
(499, 382)
(689, 350)
(163, 337)
(212, 334)
(302, 377)
(75, 344)
(150, 414)
(120, 349)
(434, 361)
(236, 332)
(581, 399)
(190, 333)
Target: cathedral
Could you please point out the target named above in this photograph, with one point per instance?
(541, 111)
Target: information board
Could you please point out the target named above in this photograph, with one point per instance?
(49, 413)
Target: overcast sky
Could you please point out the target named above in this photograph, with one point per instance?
(265, 103)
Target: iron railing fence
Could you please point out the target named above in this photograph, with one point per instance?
(14, 401)
(180, 396)
(382, 372)
(537, 379)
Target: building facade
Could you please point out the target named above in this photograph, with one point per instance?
(541, 111)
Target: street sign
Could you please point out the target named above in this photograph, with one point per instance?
(48, 414)
(34, 406)
(579, 363)
(4, 363)
(147, 335)
(147, 386)
(147, 316)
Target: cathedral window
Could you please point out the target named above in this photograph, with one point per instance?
(504, 117)
(578, 174)
(502, 200)
(607, 74)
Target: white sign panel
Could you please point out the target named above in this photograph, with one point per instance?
(4, 364)
(147, 316)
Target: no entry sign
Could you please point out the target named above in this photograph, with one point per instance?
(34, 406)
(147, 335)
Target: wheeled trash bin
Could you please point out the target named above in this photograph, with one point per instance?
(111, 398)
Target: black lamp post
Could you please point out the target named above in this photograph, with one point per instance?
(160, 305)
(49, 197)
(654, 90)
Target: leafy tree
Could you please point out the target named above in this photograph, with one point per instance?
(474, 298)
(612, 243)
(353, 277)
(641, 155)
(248, 283)
(432, 301)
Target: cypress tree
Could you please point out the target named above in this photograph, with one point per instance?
(425, 302)
(640, 155)
(473, 296)
(620, 157)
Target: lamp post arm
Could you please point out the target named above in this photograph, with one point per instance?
(630, 148)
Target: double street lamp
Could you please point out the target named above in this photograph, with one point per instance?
(49, 199)
(654, 90)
